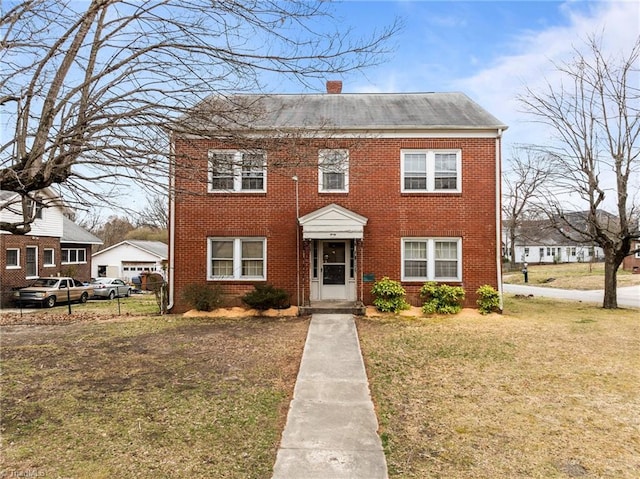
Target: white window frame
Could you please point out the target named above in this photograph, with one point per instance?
(637, 247)
(431, 259)
(53, 257)
(430, 171)
(68, 251)
(236, 171)
(13, 266)
(237, 259)
(324, 166)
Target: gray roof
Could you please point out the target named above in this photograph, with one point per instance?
(157, 248)
(73, 233)
(353, 111)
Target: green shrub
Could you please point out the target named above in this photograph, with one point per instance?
(266, 296)
(442, 299)
(488, 299)
(389, 296)
(203, 297)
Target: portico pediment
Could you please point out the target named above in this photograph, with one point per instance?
(332, 222)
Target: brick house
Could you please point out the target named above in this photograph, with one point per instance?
(323, 194)
(55, 246)
(632, 261)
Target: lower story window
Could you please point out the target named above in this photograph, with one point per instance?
(431, 259)
(237, 258)
(73, 255)
(13, 258)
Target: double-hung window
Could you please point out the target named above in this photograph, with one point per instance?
(333, 171)
(237, 171)
(13, 258)
(431, 171)
(237, 258)
(431, 259)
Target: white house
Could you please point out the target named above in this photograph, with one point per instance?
(130, 258)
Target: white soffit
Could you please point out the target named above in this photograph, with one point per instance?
(332, 222)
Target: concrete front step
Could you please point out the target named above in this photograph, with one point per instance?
(334, 307)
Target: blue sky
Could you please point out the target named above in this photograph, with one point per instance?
(487, 49)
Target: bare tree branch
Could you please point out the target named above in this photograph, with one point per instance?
(595, 114)
(87, 95)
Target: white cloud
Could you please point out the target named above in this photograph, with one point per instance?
(497, 86)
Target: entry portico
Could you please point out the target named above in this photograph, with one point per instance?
(333, 239)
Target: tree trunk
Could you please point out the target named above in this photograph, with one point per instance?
(611, 265)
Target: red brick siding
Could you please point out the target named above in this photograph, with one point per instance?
(374, 192)
(16, 278)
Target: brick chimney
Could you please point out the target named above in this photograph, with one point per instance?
(334, 86)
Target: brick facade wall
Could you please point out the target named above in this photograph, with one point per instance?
(11, 278)
(374, 192)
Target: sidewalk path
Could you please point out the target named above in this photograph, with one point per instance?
(331, 430)
(627, 296)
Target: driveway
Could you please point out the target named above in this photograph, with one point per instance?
(628, 296)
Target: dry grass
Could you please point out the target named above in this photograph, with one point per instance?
(548, 390)
(146, 397)
(582, 276)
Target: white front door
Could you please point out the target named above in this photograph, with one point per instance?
(334, 267)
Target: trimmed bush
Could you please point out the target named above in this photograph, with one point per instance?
(203, 297)
(390, 296)
(266, 296)
(441, 298)
(488, 299)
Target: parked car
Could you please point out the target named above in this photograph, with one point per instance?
(110, 288)
(49, 291)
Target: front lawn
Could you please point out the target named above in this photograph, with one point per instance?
(146, 397)
(550, 389)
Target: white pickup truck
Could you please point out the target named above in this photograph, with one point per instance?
(49, 291)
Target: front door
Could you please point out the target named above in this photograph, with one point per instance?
(333, 272)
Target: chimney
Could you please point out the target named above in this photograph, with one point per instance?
(334, 86)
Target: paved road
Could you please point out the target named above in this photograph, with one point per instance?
(627, 297)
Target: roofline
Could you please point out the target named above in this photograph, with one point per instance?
(135, 246)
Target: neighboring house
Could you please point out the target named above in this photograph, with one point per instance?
(557, 241)
(331, 192)
(54, 246)
(130, 258)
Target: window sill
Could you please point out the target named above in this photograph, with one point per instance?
(13, 267)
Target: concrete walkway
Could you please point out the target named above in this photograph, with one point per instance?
(331, 430)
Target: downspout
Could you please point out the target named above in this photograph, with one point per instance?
(172, 222)
(499, 218)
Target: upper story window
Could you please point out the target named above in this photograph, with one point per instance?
(333, 171)
(13, 258)
(73, 255)
(431, 171)
(431, 259)
(35, 208)
(237, 171)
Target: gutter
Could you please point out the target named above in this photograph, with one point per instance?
(172, 222)
(499, 217)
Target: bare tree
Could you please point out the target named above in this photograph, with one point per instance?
(523, 185)
(595, 113)
(156, 213)
(88, 93)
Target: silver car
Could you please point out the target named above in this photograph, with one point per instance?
(110, 288)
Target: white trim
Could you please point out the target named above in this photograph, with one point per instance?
(53, 257)
(236, 171)
(377, 132)
(430, 157)
(431, 259)
(499, 219)
(237, 259)
(13, 266)
(343, 167)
